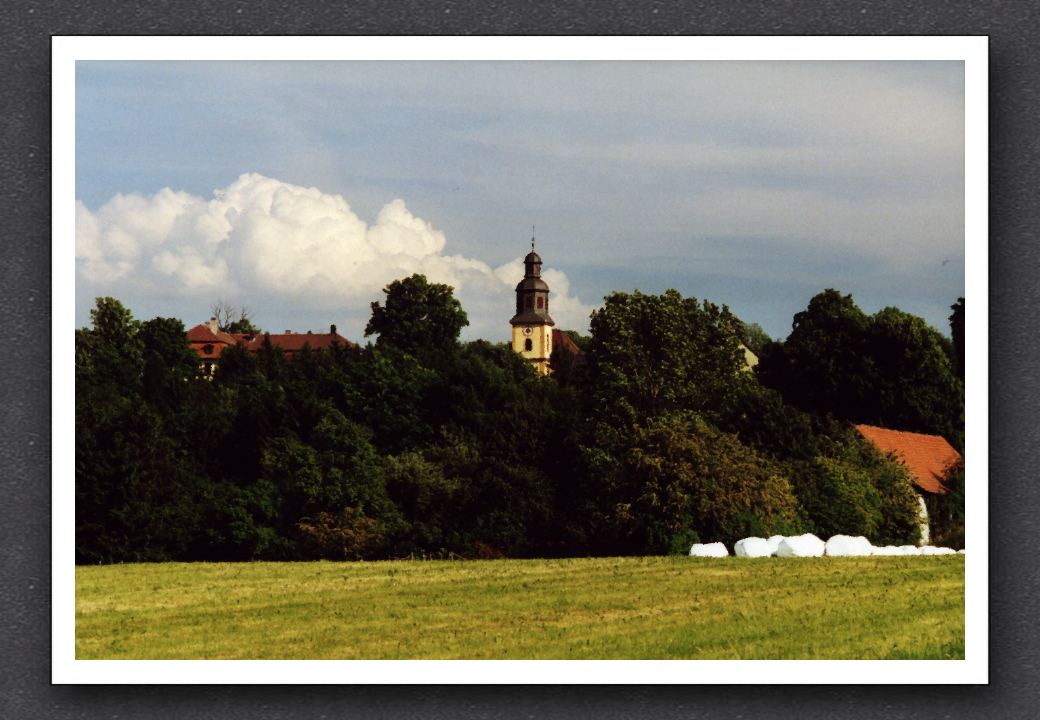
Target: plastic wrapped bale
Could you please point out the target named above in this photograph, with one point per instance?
(752, 547)
(807, 545)
(709, 550)
(774, 543)
(961, 551)
(845, 545)
(910, 550)
(887, 550)
(932, 550)
(863, 545)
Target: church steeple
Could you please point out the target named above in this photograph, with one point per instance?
(532, 324)
(532, 294)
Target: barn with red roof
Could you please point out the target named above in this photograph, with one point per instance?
(929, 458)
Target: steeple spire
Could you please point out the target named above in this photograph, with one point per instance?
(532, 238)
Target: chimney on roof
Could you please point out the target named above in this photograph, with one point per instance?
(332, 329)
(213, 325)
(309, 332)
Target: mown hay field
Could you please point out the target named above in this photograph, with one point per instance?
(590, 608)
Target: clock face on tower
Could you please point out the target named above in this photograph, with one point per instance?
(527, 331)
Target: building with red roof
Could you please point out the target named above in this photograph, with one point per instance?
(292, 342)
(209, 342)
(929, 458)
(561, 340)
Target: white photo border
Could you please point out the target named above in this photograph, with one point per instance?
(971, 50)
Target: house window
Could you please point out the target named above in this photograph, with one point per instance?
(208, 349)
(540, 302)
(528, 346)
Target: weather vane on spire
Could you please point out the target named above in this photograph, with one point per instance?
(532, 238)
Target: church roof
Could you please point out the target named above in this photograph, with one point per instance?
(532, 283)
(532, 257)
(561, 340)
(532, 317)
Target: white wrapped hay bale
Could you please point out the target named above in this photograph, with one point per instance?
(932, 550)
(844, 545)
(961, 551)
(709, 550)
(807, 545)
(838, 545)
(774, 543)
(887, 550)
(910, 550)
(752, 547)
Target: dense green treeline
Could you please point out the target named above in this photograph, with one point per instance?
(890, 369)
(419, 445)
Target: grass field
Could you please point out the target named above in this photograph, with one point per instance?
(598, 608)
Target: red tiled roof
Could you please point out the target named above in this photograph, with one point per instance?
(928, 457)
(559, 338)
(209, 344)
(203, 334)
(292, 342)
(208, 350)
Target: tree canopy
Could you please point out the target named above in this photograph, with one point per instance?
(957, 333)
(420, 318)
(234, 320)
(422, 446)
(659, 355)
(890, 369)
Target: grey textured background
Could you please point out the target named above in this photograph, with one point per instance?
(25, 29)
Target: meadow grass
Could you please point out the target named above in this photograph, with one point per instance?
(590, 608)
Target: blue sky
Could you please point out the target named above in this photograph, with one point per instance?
(301, 188)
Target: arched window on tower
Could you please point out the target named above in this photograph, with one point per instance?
(541, 302)
(528, 345)
(527, 302)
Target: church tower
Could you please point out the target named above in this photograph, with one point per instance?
(532, 326)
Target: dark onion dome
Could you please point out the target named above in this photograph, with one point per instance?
(532, 294)
(532, 317)
(532, 283)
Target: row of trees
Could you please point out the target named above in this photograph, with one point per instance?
(419, 445)
(891, 369)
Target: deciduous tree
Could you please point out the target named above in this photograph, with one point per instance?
(684, 482)
(420, 318)
(957, 333)
(658, 355)
(890, 369)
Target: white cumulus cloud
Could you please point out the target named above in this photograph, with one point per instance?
(260, 238)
